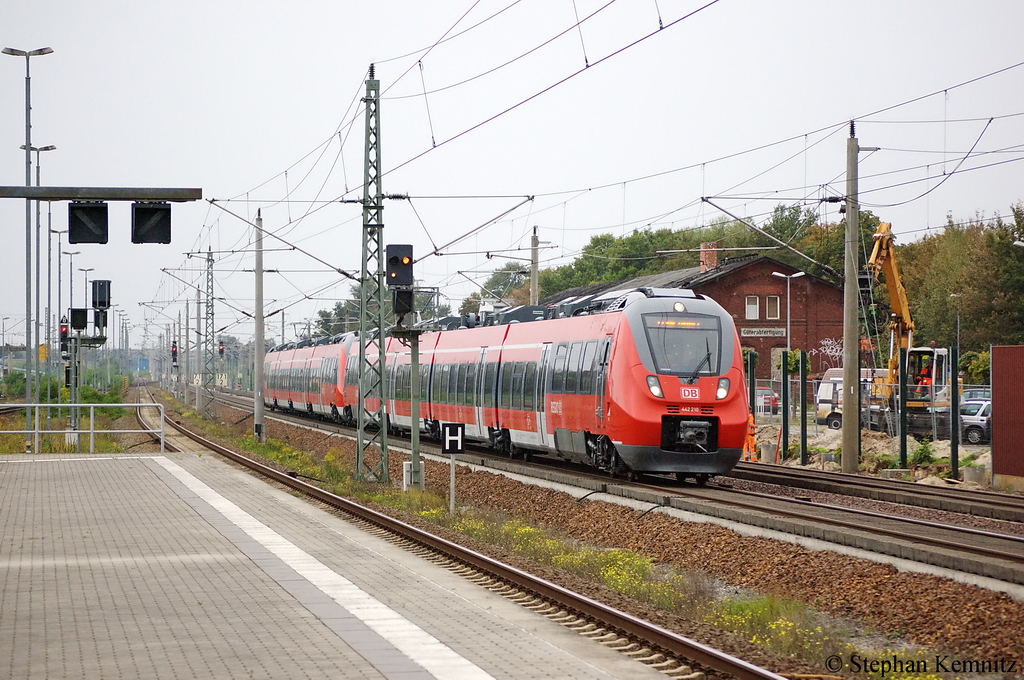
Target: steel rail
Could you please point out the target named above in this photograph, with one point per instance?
(891, 533)
(666, 640)
(820, 478)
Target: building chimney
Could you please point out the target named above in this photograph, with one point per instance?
(708, 257)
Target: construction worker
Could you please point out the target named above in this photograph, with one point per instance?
(750, 443)
(924, 377)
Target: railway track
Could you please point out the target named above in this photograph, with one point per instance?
(977, 503)
(668, 652)
(989, 554)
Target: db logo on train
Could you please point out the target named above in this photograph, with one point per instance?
(689, 393)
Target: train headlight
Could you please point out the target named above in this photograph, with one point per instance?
(654, 386)
(723, 388)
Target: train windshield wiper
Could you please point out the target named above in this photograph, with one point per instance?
(706, 360)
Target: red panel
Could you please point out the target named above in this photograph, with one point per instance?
(1007, 410)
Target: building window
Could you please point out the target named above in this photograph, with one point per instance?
(753, 307)
(771, 307)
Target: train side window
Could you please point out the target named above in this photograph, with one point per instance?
(490, 383)
(587, 368)
(505, 385)
(471, 386)
(572, 368)
(530, 386)
(558, 372)
(435, 385)
(518, 368)
(463, 385)
(446, 384)
(424, 382)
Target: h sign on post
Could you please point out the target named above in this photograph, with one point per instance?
(452, 437)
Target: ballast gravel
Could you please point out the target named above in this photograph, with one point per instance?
(929, 611)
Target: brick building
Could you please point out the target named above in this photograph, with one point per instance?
(757, 300)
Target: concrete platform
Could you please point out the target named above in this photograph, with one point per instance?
(181, 566)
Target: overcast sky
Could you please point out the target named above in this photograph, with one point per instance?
(610, 125)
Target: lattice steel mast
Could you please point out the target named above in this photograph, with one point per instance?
(371, 303)
(209, 408)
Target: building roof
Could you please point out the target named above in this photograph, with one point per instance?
(691, 277)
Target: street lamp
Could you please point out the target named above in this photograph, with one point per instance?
(86, 270)
(49, 273)
(29, 359)
(71, 277)
(956, 296)
(39, 151)
(788, 278)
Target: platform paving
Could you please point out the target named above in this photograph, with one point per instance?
(184, 566)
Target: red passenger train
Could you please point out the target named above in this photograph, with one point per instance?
(648, 380)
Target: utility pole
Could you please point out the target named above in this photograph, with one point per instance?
(260, 345)
(851, 301)
(371, 300)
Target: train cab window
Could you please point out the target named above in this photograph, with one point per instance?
(687, 345)
(586, 385)
(572, 368)
(558, 371)
(530, 386)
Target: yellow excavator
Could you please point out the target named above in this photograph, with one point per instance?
(929, 372)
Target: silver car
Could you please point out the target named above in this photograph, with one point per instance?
(976, 421)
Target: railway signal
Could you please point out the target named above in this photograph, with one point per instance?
(220, 350)
(399, 264)
(65, 332)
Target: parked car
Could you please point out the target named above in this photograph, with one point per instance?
(765, 399)
(976, 421)
(976, 393)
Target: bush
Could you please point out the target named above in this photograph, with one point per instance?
(924, 454)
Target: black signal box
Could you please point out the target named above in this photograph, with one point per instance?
(87, 222)
(151, 223)
(101, 294)
(79, 319)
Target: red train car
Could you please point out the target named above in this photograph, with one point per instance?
(649, 380)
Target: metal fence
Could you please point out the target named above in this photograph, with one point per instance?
(73, 436)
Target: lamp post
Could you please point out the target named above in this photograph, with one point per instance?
(29, 360)
(956, 296)
(71, 277)
(3, 336)
(49, 275)
(39, 150)
(788, 278)
(86, 270)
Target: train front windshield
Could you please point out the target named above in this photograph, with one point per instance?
(687, 345)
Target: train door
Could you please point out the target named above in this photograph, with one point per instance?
(547, 437)
(478, 428)
(600, 381)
